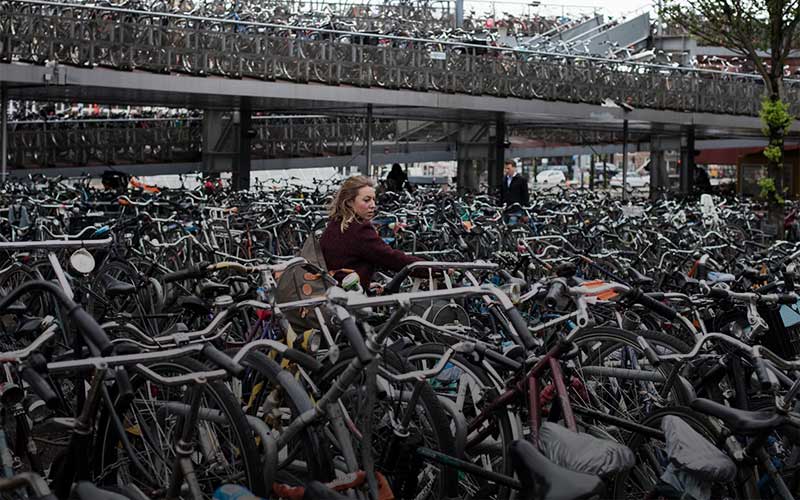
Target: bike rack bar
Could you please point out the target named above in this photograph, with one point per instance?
(55, 244)
(623, 373)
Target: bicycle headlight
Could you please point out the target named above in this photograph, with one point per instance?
(513, 290)
(312, 339)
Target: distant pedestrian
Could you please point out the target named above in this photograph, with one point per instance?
(702, 183)
(513, 190)
(397, 179)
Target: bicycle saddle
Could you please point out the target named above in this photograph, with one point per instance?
(194, 303)
(117, 288)
(752, 274)
(583, 452)
(638, 279)
(740, 421)
(17, 307)
(209, 287)
(544, 480)
(30, 327)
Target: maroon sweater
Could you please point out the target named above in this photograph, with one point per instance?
(361, 249)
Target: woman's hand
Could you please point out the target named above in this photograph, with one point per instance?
(376, 288)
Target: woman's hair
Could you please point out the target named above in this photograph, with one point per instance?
(338, 208)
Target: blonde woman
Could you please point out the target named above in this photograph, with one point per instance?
(350, 241)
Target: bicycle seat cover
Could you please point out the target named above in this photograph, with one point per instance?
(581, 452)
(740, 421)
(546, 480)
(689, 451)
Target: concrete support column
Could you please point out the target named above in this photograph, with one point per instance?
(687, 162)
(472, 153)
(366, 169)
(498, 154)
(625, 160)
(241, 172)
(216, 131)
(459, 14)
(3, 133)
(659, 180)
(468, 173)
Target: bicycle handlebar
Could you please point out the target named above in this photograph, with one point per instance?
(40, 386)
(353, 335)
(718, 292)
(638, 297)
(222, 360)
(394, 284)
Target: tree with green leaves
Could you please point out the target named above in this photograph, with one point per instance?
(763, 31)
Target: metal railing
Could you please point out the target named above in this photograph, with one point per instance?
(64, 143)
(36, 32)
(47, 144)
(302, 137)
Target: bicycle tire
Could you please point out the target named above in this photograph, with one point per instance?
(438, 422)
(601, 346)
(487, 392)
(320, 462)
(247, 469)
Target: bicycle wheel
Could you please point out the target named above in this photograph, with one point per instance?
(225, 451)
(469, 389)
(17, 274)
(276, 397)
(426, 419)
(640, 389)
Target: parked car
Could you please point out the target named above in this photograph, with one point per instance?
(551, 177)
(634, 180)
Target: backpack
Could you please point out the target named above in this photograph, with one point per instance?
(298, 283)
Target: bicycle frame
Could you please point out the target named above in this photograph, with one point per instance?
(530, 383)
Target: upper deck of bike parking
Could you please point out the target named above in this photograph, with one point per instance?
(117, 55)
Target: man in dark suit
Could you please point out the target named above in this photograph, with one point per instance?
(513, 189)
